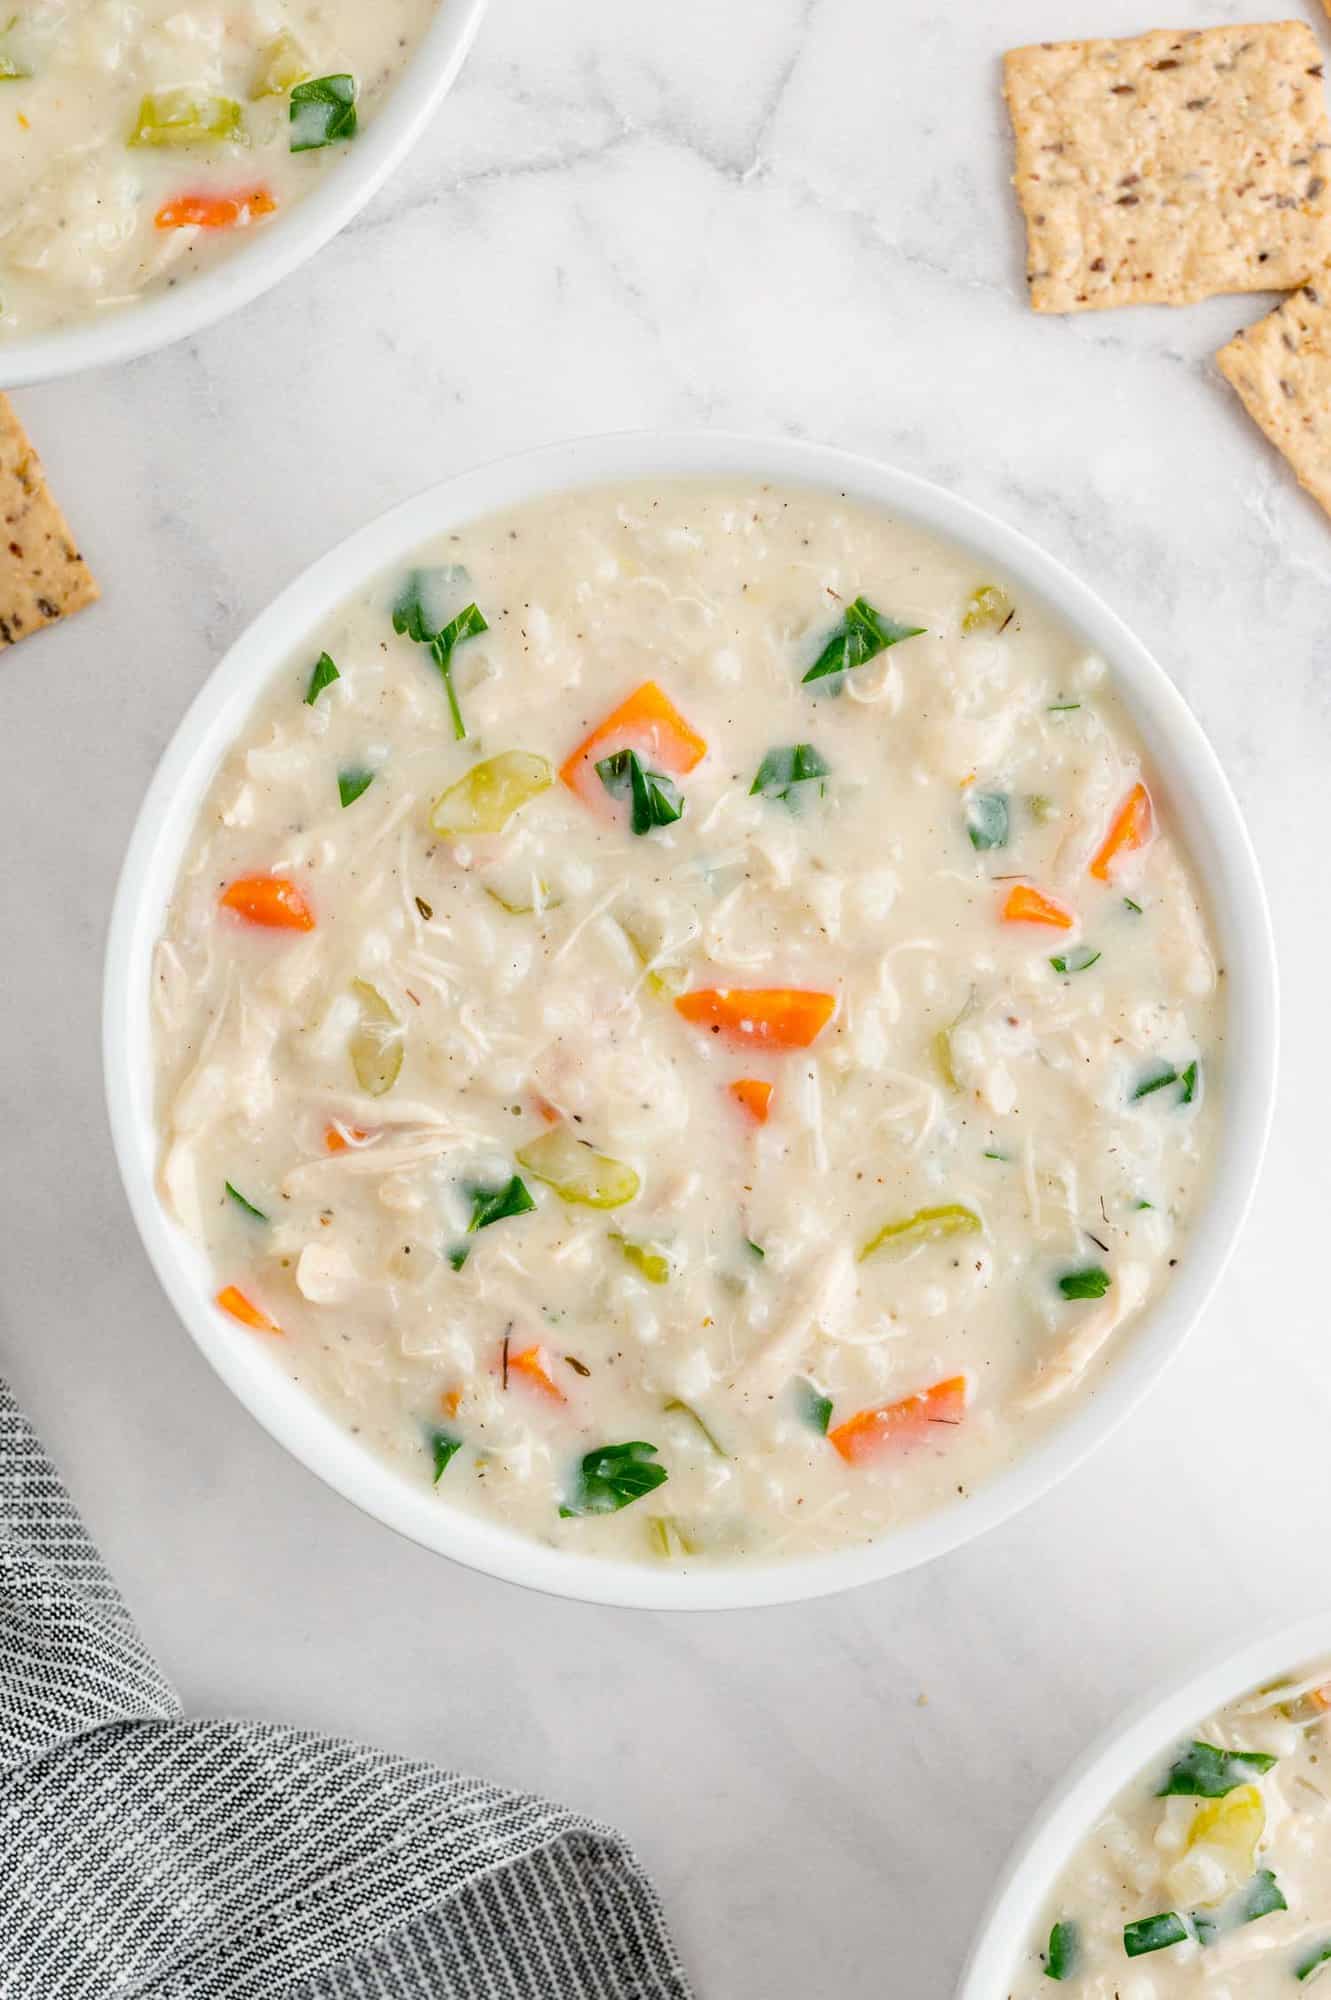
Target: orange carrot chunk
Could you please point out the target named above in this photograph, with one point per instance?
(534, 1363)
(450, 1402)
(647, 722)
(215, 211)
(1131, 828)
(1028, 905)
(269, 900)
(338, 1137)
(784, 1017)
(754, 1095)
(865, 1435)
(232, 1300)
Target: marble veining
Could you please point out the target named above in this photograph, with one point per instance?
(791, 217)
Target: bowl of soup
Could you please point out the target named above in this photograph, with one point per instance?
(1188, 1855)
(165, 163)
(689, 1021)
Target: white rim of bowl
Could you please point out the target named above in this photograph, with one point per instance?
(127, 332)
(1183, 766)
(1171, 1711)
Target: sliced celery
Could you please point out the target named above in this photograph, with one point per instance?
(487, 798)
(377, 1042)
(282, 65)
(577, 1172)
(185, 117)
(927, 1225)
(652, 1265)
(988, 609)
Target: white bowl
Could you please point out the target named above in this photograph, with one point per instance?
(1186, 773)
(125, 332)
(1096, 1779)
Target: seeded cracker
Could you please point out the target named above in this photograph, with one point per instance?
(1172, 165)
(1282, 370)
(42, 575)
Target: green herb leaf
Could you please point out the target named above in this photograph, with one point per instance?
(496, 1204)
(687, 1410)
(815, 1408)
(613, 1477)
(444, 1448)
(756, 1248)
(459, 1254)
(1204, 1772)
(1189, 1080)
(1062, 707)
(467, 625)
(350, 785)
(655, 800)
(1004, 1157)
(782, 772)
(1091, 1282)
(1064, 1951)
(1154, 1933)
(1080, 959)
(862, 635)
(248, 1206)
(1262, 1898)
(1314, 1961)
(322, 112)
(423, 602)
(1158, 1077)
(325, 673)
(1136, 908)
(987, 820)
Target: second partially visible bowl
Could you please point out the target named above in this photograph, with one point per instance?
(158, 320)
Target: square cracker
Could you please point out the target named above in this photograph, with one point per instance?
(1171, 165)
(42, 575)
(1282, 370)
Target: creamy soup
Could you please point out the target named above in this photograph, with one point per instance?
(140, 140)
(1209, 1878)
(683, 1023)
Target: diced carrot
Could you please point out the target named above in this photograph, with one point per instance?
(544, 1108)
(269, 900)
(754, 1095)
(534, 1363)
(1321, 1697)
(1028, 905)
(450, 1402)
(784, 1017)
(647, 722)
(908, 1422)
(1131, 828)
(338, 1137)
(232, 1300)
(215, 211)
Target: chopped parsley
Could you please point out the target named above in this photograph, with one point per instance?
(350, 785)
(496, 1204)
(987, 820)
(324, 674)
(655, 801)
(322, 112)
(248, 1206)
(444, 1448)
(1205, 1772)
(862, 634)
(1064, 1950)
(783, 772)
(1092, 1281)
(614, 1476)
(1080, 959)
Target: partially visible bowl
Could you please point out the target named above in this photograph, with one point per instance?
(277, 249)
(1095, 1780)
(1184, 766)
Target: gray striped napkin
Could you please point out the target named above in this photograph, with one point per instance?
(146, 1857)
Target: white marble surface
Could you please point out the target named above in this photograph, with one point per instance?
(782, 215)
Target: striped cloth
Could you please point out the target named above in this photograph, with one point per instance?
(146, 1857)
